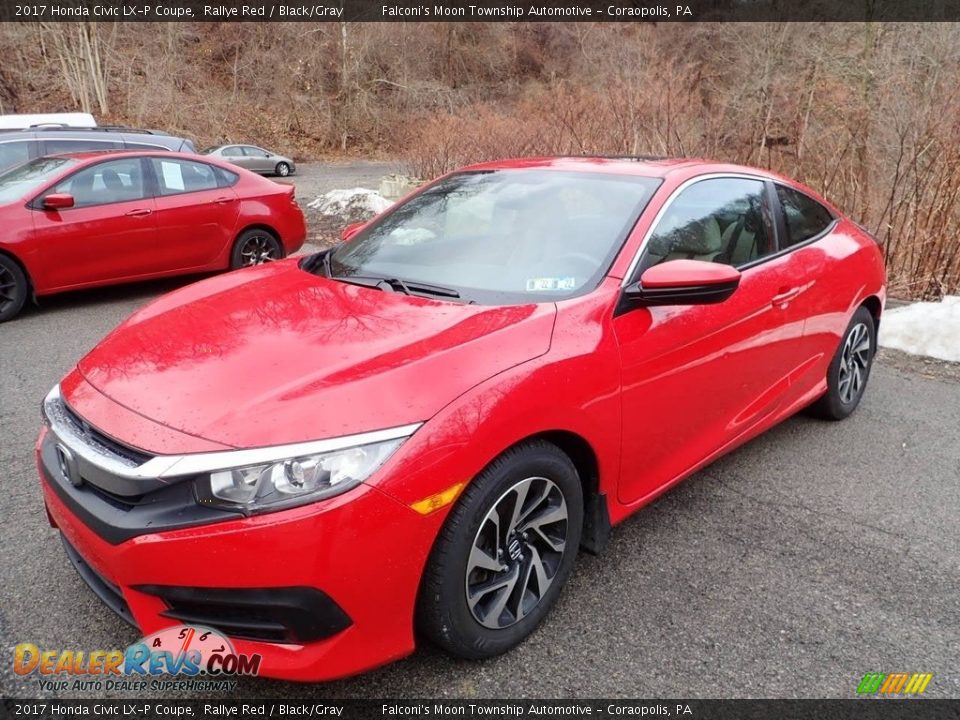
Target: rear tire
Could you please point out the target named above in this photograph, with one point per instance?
(13, 288)
(494, 572)
(255, 247)
(850, 369)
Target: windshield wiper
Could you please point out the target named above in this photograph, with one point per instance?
(407, 287)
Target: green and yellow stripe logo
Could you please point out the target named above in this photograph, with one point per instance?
(894, 683)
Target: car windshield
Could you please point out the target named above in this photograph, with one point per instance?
(19, 181)
(499, 237)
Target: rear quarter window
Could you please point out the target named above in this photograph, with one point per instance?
(803, 216)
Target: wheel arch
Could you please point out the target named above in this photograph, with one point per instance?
(257, 226)
(873, 304)
(596, 514)
(23, 268)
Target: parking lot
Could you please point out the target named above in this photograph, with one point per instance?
(812, 555)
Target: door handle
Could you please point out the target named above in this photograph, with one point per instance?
(785, 295)
(224, 200)
(139, 212)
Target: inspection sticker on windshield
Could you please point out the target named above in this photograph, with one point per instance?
(548, 284)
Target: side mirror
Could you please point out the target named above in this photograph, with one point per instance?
(684, 282)
(350, 230)
(58, 201)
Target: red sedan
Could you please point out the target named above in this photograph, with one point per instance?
(83, 220)
(420, 428)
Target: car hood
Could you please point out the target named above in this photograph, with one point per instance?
(277, 355)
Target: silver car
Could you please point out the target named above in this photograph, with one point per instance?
(254, 158)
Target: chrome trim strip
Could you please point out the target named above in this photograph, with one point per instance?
(669, 201)
(170, 466)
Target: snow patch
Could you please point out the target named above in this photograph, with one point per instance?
(350, 203)
(924, 328)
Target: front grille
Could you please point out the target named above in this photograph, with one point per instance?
(92, 435)
(280, 615)
(105, 590)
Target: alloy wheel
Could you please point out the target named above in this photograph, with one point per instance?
(9, 293)
(516, 553)
(854, 363)
(257, 250)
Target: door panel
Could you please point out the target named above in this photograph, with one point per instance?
(110, 234)
(697, 377)
(196, 219)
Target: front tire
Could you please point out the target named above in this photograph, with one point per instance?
(850, 369)
(503, 554)
(255, 247)
(282, 169)
(13, 288)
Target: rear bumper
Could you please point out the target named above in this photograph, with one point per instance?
(350, 566)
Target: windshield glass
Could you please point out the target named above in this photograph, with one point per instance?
(24, 179)
(502, 236)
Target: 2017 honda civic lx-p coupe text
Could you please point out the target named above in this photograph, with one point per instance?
(100, 218)
(419, 428)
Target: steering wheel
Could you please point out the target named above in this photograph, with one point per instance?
(580, 259)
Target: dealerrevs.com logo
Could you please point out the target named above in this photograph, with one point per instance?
(894, 683)
(186, 652)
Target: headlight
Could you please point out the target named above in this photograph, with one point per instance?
(295, 481)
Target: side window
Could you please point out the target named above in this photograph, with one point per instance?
(109, 182)
(803, 216)
(143, 146)
(14, 153)
(254, 152)
(232, 152)
(225, 178)
(56, 146)
(183, 176)
(723, 220)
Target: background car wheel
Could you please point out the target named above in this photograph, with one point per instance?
(255, 247)
(850, 369)
(504, 553)
(282, 169)
(13, 288)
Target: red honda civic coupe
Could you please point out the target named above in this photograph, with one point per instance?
(89, 219)
(417, 430)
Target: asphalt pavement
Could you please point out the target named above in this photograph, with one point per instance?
(814, 554)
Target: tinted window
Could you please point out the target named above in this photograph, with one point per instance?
(14, 153)
(143, 146)
(232, 152)
(255, 152)
(181, 176)
(109, 182)
(726, 220)
(803, 216)
(226, 178)
(56, 146)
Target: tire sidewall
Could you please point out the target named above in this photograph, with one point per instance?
(236, 261)
(278, 169)
(465, 633)
(838, 408)
(22, 288)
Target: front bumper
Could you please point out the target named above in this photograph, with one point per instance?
(362, 551)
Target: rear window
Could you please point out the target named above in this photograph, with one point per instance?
(804, 217)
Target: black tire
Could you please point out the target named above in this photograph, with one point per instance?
(444, 613)
(282, 169)
(255, 247)
(14, 288)
(850, 369)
